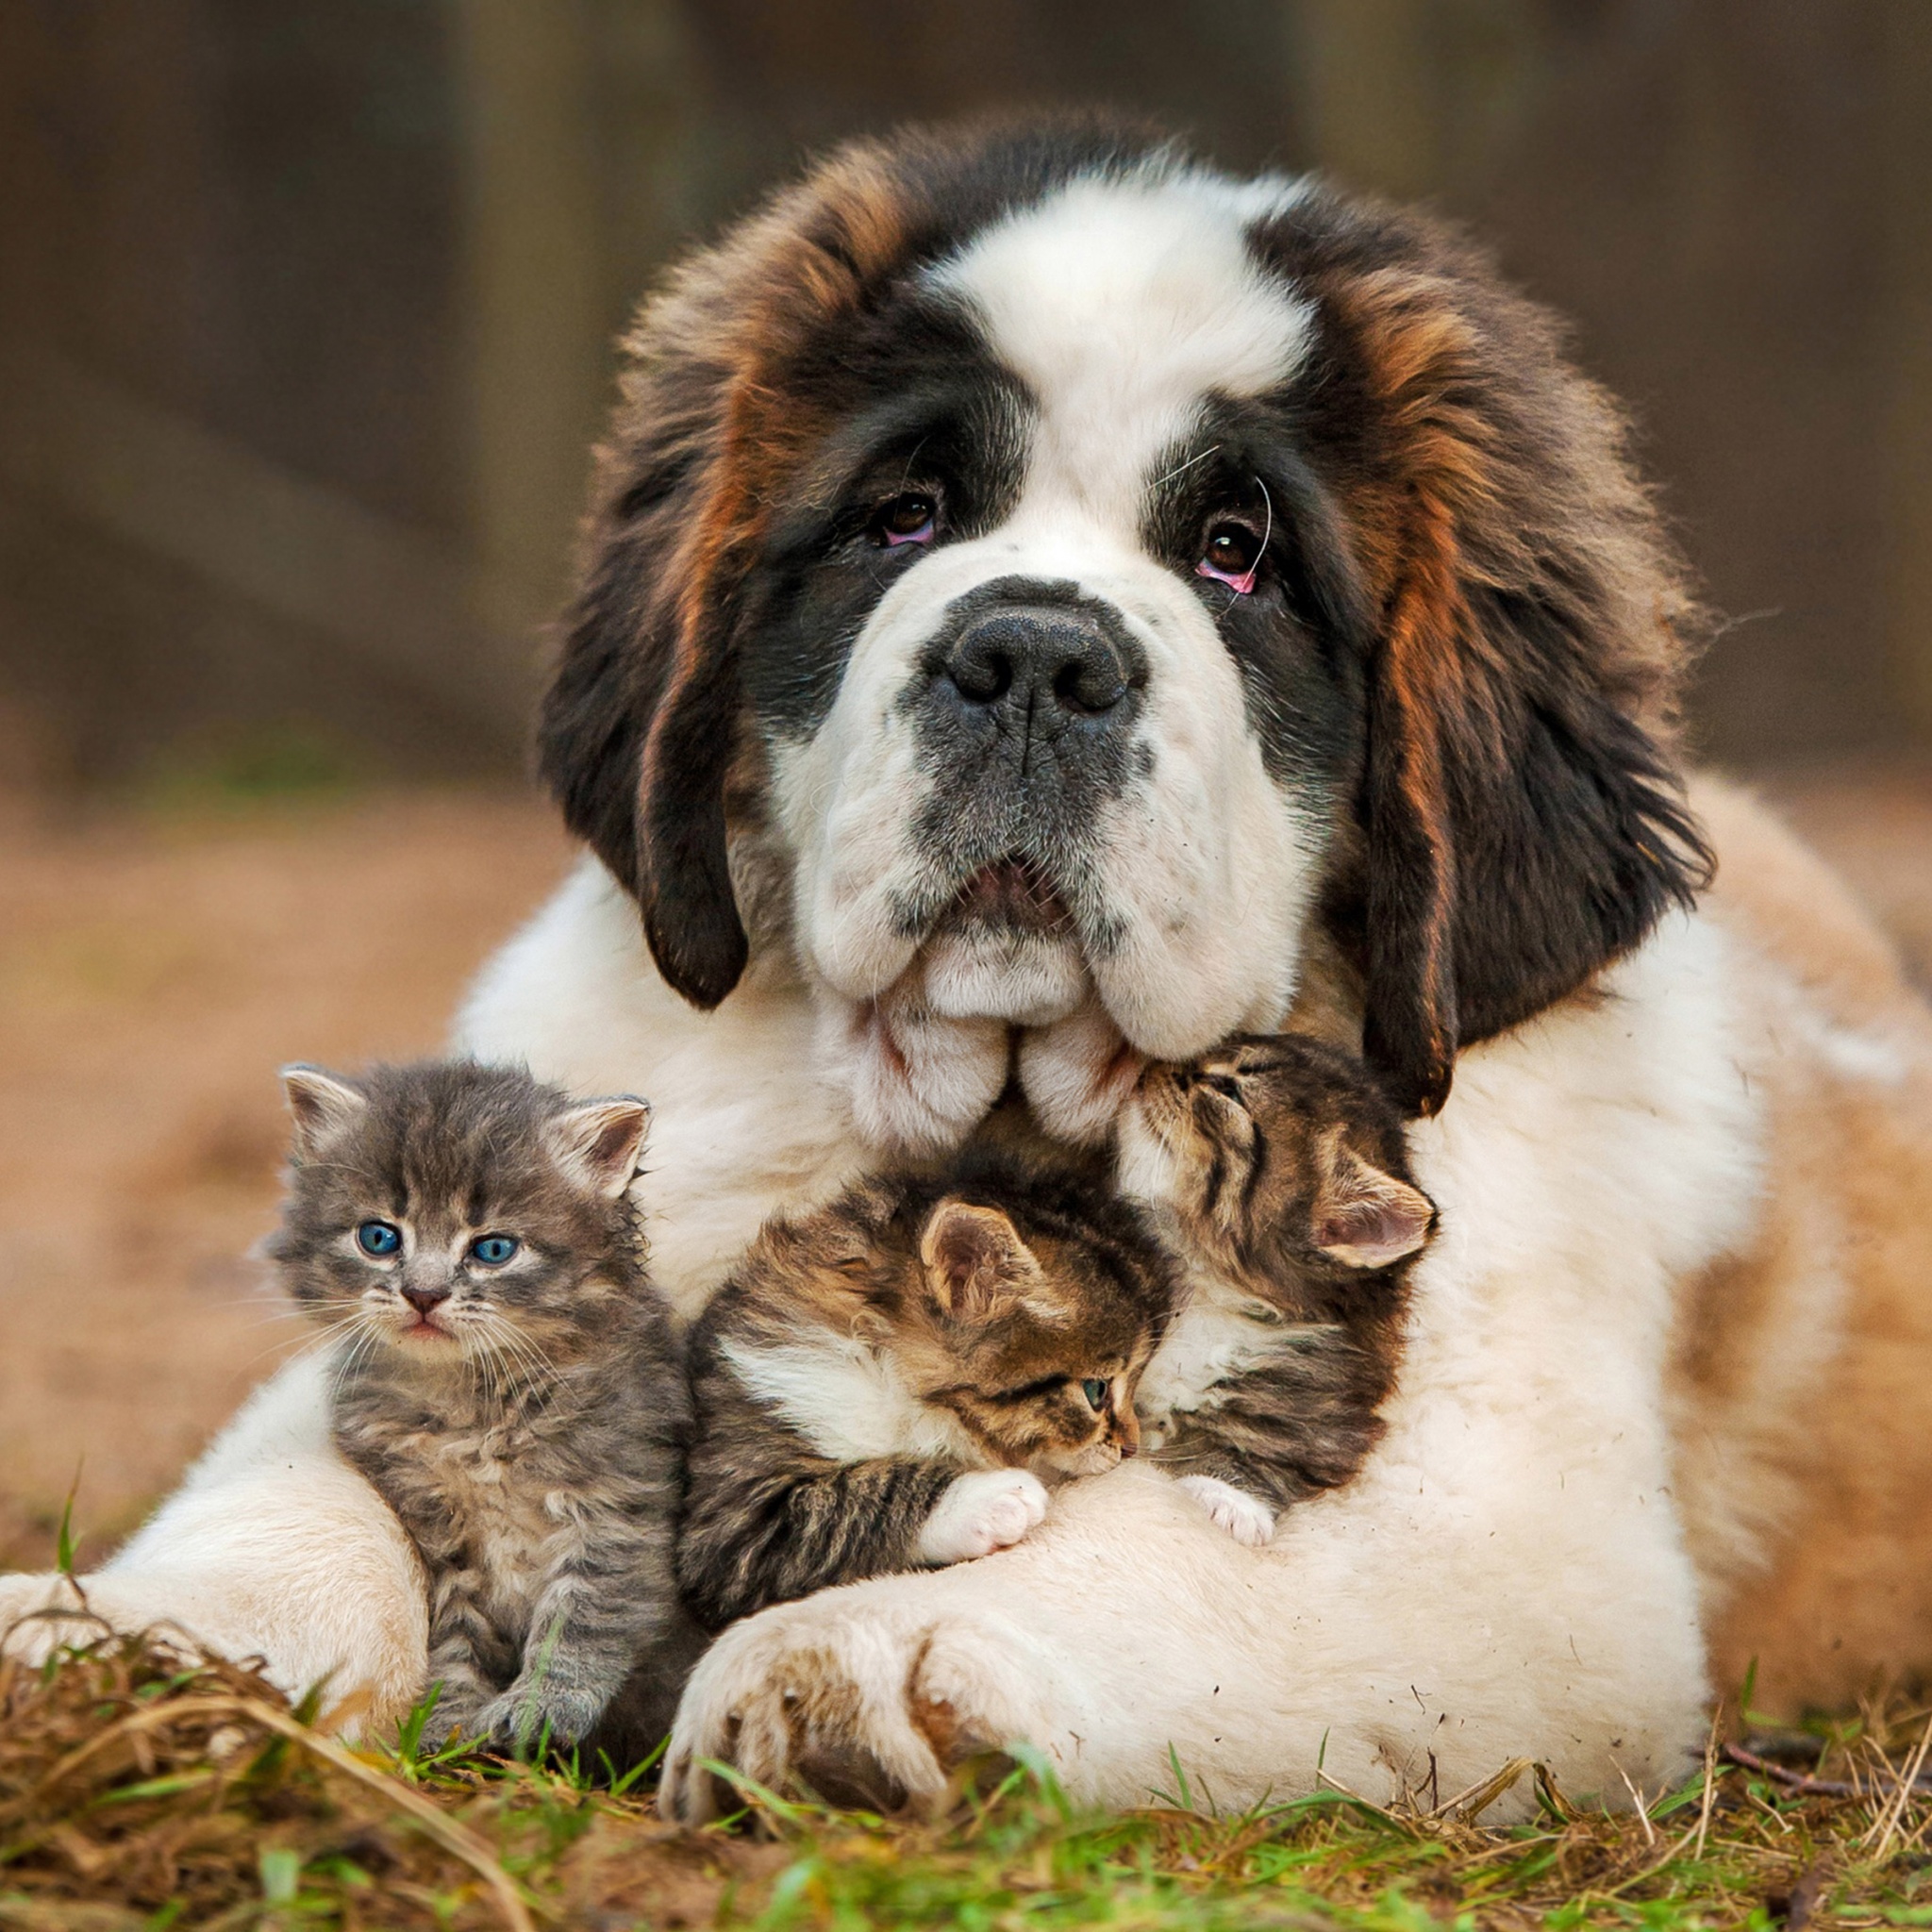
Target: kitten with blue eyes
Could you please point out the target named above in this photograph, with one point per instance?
(505, 1376)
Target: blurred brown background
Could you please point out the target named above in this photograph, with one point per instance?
(304, 309)
(305, 323)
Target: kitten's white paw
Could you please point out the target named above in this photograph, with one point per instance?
(984, 1510)
(1245, 1517)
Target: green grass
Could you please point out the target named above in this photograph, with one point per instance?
(139, 1794)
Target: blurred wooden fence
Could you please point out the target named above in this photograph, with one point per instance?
(304, 309)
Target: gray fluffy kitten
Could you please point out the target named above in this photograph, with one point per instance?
(505, 1377)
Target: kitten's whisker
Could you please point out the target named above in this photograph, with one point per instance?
(500, 1368)
(495, 1365)
(331, 1332)
(537, 1367)
(309, 1345)
(507, 1344)
(368, 1334)
(490, 1319)
(339, 1367)
(534, 1364)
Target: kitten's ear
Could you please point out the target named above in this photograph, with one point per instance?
(598, 1144)
(975, 1259)
(1363, 1217)
(321, 1106)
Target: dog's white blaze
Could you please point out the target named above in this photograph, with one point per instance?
(1123, 305)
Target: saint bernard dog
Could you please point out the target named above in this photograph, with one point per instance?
(1049, 603)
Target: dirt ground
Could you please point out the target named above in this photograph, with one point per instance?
(154, 973)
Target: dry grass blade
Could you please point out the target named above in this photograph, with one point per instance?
(1368, 1805)
(454, 1838)
(1709, 1786)
(1638, 1808)
(1895, 1805)
(135, 1792)
(1470, 1804)
(206, 1710)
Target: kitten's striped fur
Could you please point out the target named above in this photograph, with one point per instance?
(1278, 1170)
(870, 1362)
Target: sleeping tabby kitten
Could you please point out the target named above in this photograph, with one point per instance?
(884, 1383)
(1278, 1173)
(505, 1377)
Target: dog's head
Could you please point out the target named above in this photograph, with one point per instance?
(1042, 581)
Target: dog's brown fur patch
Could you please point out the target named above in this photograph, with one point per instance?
(1802, 1379)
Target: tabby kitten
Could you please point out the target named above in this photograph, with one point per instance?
(885, 1382)
(1278, 1173)
(505, 1377)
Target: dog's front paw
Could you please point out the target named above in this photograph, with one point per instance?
(1245, 1517)
(858, 1695)
(35, 1620)
(43, 1613)
(986, 1509)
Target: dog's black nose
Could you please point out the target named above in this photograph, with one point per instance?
(1033, 657)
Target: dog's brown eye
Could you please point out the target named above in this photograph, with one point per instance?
(909, 518)
(1231, 555)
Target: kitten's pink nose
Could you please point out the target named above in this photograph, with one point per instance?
(424, 1299)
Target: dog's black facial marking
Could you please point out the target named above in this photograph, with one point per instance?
(1025, 701)
(936, 419)
(1520, 809)
(1299, 636)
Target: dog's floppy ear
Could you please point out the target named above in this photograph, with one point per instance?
(637, 728)
(1525, 819)
(641, 724)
